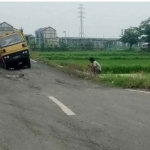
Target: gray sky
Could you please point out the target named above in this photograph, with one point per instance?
(102, 18)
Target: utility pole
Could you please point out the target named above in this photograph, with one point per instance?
(65, 37)
(81, 32)
(122, 32)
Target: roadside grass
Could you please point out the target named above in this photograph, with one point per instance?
(137, 81)
(122, 69)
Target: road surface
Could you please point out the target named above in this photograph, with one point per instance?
(43, 108)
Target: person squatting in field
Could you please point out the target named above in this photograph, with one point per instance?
(95, 67)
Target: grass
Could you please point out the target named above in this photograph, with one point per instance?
(117, 66)
(138, 81)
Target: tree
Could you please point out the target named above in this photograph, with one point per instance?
(107, 44)
(130, 36)
(144, 30)
(89, 45)
(30, 40)
(63, 46)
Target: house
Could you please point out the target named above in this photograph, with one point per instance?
(46, 37)
(5, 27)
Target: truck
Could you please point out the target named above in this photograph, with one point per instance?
(14, 49)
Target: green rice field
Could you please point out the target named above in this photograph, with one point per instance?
(111, 62)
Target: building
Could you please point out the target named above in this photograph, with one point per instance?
(5, 27)
(97, 43)
(46, 37)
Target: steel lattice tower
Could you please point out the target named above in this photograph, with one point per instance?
(81, 32)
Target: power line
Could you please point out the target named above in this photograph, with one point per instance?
(81, 32)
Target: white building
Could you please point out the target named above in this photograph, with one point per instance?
(5, 27)
(46, 36)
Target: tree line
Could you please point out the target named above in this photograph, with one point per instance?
(133, 35)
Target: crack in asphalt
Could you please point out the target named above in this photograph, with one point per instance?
(74, 85)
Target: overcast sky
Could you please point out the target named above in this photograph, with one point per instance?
(102, 18)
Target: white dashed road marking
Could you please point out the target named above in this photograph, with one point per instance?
(64, 108)
(138, 91)
(32, 60)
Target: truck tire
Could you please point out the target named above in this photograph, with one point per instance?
(28, 63)
(5, 65)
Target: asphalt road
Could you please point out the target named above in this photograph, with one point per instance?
(44, 109)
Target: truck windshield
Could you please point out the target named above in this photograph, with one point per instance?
(9, 40)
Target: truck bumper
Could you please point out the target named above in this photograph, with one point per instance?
(17, 57)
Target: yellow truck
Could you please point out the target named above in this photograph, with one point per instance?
(14, 49)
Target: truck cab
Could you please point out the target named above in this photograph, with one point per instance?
(14, 49)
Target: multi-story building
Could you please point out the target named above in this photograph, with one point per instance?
(5, 27)
(46, 37)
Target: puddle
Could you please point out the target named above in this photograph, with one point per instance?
(14, 76)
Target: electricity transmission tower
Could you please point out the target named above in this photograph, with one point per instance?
(81, 32)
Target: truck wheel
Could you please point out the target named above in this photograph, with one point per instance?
(5, 65)
(28, 63)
